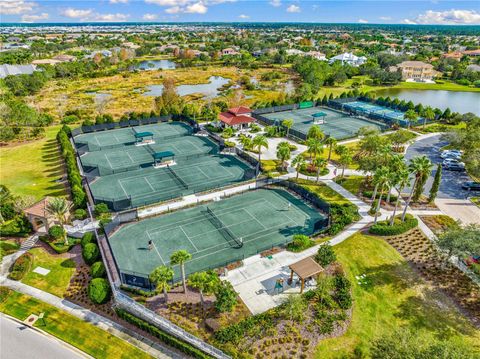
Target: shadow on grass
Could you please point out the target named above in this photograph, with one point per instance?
(68, 263)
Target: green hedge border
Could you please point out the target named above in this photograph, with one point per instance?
(164, 337)
(383, 228)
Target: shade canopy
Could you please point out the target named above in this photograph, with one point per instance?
(162, 155)
(306, 268)
(319, 114)
(143, 134)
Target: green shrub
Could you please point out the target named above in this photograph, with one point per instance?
(341, 215)
(235, 332)
(90, 253)
(101, 208)
(342, 291)
(325, 255)
(164, 337)
(56, 232)
(8, 211)
(21, 266)
(137, 291)
(383, 228)
(226, 297)
(300, 242)
(19, 226)
(99, 290)
(369, 194)
(80, 214)
(98, 270)
(88, 237)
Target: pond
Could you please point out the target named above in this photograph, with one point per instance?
(155, 65)
(99, 97)
(461, 102)
(208, 90)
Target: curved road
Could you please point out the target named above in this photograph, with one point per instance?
(19, 341)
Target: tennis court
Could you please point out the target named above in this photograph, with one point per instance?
(118, 159)
(149, 185)
(124, 136)
(258, 219)
(335, 123)
(384, 112)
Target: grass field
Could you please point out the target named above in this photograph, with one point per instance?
(31, 169)
(351, 183)
(55, 282)
(8, 247)
(84, 336)
(393, 296)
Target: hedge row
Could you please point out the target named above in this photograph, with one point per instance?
(79, 196)
(21, 266)
(383, 228)
(164, 337)
(235, 332)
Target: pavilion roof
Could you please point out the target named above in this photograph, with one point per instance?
(306, 268)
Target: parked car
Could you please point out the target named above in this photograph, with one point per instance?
(452, 161)
(455, 167)
(451, 154)
(471, 186)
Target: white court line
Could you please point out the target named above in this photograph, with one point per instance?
(155, 247)
(246, 210)
(120, 183)
(146, 180)
(108, 160)
(186, 235)
(131, 160)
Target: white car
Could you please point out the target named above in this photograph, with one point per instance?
(451, 161)
(451, 154)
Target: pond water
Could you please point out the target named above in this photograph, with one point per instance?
(155, 65)
(208, 90)
(99, 96)
(290, 87)
(461, 102)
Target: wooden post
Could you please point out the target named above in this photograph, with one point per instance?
(302, 286)
(291, 277)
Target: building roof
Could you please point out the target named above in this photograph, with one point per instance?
(45, 62)
(39, 209)
(7, 70)
(472, 52)
(64, 57)
(414, 63)
(143, 134)
(306, 268)
(162, 155)
(231, 119)
(240, 110)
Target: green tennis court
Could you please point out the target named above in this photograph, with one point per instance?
(259, 219)
(117, 159)
(149, 185)
(332, 123)
(123, 136)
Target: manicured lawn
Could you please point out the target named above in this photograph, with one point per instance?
(61, 270)
(31, 169)
(323, 191)
(84, 336)
(476, 200)
(8, 247)
(447, 86)
(351, 183)
(440, 127)
(392, 296)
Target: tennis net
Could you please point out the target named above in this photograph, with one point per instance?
(224, 231)
(177, 178)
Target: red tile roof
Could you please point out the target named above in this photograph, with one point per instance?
(231, 119)
(240, 110)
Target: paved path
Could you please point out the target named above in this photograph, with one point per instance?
(19, 341)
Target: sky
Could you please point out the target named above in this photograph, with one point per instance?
(359, 11)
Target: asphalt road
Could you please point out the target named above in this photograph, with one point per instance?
(450, 186)
(19, 341)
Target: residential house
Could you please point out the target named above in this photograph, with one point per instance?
(417, 71)
(456, 55)
(13, 70)
(229, 51)
(349, 59)
(472, 52)
(237, 117)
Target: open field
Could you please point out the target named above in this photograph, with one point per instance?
(84, 336)
(31, 169)
(392, 296)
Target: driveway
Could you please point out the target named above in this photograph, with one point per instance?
(451, 185)
(19, 341)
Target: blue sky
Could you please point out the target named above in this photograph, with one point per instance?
(359, 11)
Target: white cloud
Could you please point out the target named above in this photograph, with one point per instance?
(276, 3)
(168, 2)
(173, 10)
(362, 21)
(34, 17)
(118, 1)
(111, 17)
(149, 17)
(448, 17)
(243, 16)
(76, 13)
(16, 7)
(385, 18)
(293, 8)
(408, 22)
(197, 8)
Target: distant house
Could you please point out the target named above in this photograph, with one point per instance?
(475, 68)
(349, 59)
(64, 58)
(417, 71)
(104, 53)
(229, 51)
(13, 70)
(472, 52)
(457, 55)
(316, 55)
(237, 117)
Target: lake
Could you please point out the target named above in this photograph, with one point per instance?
(208, 90)
(461, 102)
(155, 65)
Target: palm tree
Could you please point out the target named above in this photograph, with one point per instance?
(345, 159)
(418, 166)
(383, 178)
(205, 282)
(287, 123)
(411, 116)
(315, 132)
(298, 162)
(258, 142)
(331, 142)
(402, 180)
(246, 142)
(59, 208)
(161, 276)
(180, 257)
(314, 147)
(319, 164)
(283, 152)
(428, 114)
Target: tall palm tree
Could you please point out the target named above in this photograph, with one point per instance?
(246, 142)
(428, 114)
(162, 276)
(319, 164)
(345, 159)
(402, 180)
(287, 123)
(411, 116)
(205, 282)
(315, 132)
(283, 153)
(258, 142)
(59, 208)
(383, 178)
(298, 162)
(418, 166)
(314, 147)
(331, 142)
(180, 257)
